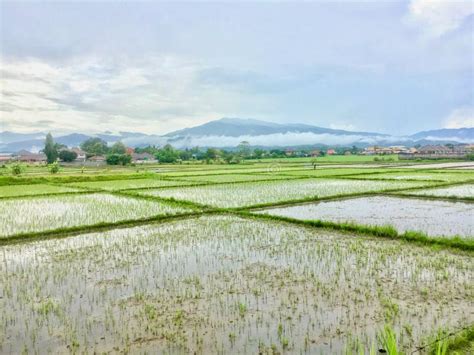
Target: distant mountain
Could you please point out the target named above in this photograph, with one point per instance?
(235, 127)
(229, 132)
(460, 134)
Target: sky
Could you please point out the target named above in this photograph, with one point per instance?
(394, 67)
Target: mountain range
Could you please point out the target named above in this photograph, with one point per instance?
(229, 132)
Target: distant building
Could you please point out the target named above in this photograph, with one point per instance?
(375, 150)
(28, 157)
(330, 152)
(81, 155)
(458, 151)
(5, 158)
(142, 158)
(97, 159)
(129, 151)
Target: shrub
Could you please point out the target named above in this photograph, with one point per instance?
(53, 168)
(17, 169)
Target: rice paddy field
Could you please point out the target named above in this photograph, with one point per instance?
(251, 194)
(269, 257)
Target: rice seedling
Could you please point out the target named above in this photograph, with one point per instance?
(457, 191)
(226, 178)
(38, 189)
(189, 286)
(427, 176)
(25, 215)
(269, 192)
(115, 185)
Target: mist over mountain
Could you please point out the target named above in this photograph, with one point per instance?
(229, 132)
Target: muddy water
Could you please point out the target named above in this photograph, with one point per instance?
(225, 285)
(435, 218)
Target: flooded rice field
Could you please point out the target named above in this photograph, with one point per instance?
(454, 165)
(128, 184)
(45, 213)
(460, 191)
(248, 194)
(434, 176)
(225, 178)
(224, 285)
(33, 189)
(435, 218)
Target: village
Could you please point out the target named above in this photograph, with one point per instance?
(77, 156)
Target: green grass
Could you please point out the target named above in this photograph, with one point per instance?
(341, 159)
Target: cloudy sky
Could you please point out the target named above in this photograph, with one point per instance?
(387, 66)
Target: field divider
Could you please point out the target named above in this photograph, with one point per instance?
(170, 201)
(64, 232)
(318, 199)
(388, 232)
(85, 192)
(430, 197)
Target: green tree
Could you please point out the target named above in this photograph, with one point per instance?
(118, 148)
(50, 149)
(244, 149)
(258, 153)
(212, 153)
(67, 155)
(167, 154)
(118, 159)
(94, 146)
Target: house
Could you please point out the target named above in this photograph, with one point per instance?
(141, 158)
(330, 152)
(5, 158)
(397, 149)
(81, 155)
(316, 153)
(28, 157)
(459, 151)
(97, 159)
(434, 149)
(129, 150)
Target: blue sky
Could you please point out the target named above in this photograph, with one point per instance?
(389, 66)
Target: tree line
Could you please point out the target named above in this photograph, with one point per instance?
(117, 153)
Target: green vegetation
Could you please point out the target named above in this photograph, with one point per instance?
(50, 150)
(67, 155)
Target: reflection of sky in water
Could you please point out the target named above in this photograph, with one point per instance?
(435, 218)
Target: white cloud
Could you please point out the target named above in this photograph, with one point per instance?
(460, 118)
(282, 139)
(438, 17)
(90, 95)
